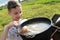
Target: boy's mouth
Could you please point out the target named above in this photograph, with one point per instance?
(17, 19)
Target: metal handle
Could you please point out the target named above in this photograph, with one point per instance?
(56, 26)
(54, 33)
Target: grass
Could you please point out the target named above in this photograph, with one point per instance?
(46, 10)
(32, 9)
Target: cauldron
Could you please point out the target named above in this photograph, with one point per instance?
(44, 35)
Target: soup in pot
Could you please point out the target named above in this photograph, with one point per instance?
(35, 28)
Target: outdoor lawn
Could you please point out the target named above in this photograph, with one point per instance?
(30, 9)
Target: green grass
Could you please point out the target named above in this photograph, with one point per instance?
(32, 9)
(46, 10)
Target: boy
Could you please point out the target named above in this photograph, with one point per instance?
(14, 10)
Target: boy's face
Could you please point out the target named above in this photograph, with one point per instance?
(15, 13)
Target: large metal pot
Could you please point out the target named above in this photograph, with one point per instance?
(43, 35)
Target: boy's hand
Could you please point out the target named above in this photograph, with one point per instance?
(11, 24)
(15, 23)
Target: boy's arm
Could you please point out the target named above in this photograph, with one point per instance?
(6, 29)
(5, 33)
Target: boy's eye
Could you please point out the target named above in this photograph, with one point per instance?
(20, 11)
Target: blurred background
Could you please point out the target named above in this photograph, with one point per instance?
(30, 9)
